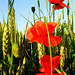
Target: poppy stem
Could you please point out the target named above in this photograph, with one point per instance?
(45, 20)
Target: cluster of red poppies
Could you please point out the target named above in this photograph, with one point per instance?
(39, 34)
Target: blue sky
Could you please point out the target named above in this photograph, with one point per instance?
(24, 7)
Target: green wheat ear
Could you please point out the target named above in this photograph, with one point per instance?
(15, 49)
(62, 53)
(23, 66)
(0, 42)
(3, 27)
(58, 28)
(41, 51)
(18, 70)
(12, 27)
(20, 37)
(5, 41)
(0, 37)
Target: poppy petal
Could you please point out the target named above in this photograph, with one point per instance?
(42, 74)
(42, 70)
(62, 73)
(31, 41)
(55, 40)
(57, 7)
(45, 61)
(47, 74)
(55, 74)
(31, 33)
(42, 40)
(63, 5)
(51, 27)
(40, 28)
(55, 1)
(55, 62)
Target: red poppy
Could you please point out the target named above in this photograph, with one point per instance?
(38, 34)
(58, 4)
(62, 73)
(46, 65)
(57, 7)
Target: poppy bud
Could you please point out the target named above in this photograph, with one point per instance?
(33, 9)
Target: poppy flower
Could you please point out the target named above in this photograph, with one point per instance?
(58, 4)
(57, 7)
(38, 34)
(46, 65)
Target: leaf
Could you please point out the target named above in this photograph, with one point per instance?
(38, 3)
(26, 19)
(58, 71)
(3, 20)
(9, 59)
(8, 21)
(41, 11)
(38, 18)
(45, 20)
(5, 63)
(73, 55)
(11, 8)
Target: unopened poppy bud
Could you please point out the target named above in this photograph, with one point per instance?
(33, 9)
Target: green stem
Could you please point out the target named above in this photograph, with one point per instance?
(10, 70)
(68, 12)
(49, 12)
(40, 15)
(49, 42)
(34, 17)
(31, 51)
(39, 10)
(53, 14)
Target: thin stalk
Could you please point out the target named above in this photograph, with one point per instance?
(24, 42)
(27, 19)
(49, 43)
(68, 12)
(31, 50)
(33, 45)
(53, 14)
(47, 7)
(39, 10)
(34, 17)
(31, 61)
(63, 15)
(11, 63)
(49, 12)
(40, 15)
